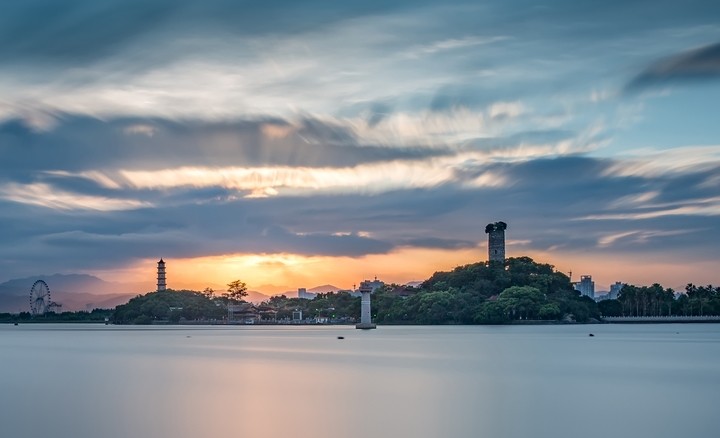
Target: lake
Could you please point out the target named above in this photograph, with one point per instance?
(82, 381)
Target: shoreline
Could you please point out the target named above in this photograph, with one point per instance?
(609, 320)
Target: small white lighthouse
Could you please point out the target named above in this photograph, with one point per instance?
(161, 276)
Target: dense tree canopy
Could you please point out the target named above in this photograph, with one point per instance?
(655, 300)
(167, 305)
(489, 294)
(477, 293)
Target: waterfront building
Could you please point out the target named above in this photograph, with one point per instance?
(161, 285)
(615, 290)
(297, 315)
(369, 285)
(244, 313)
(586, 286)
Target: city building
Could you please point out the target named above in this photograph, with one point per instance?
(586, 286)
(601, 295)
(615, 290)
(303, 293)
(368, 285)
(496, 241)
(161, 276)
(371, 285)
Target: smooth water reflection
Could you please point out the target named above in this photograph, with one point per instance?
(536, 381)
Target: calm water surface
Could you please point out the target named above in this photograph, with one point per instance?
(539, 381)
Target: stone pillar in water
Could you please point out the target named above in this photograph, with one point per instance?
(365, 319)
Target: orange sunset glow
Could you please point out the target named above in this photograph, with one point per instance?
(278, 273)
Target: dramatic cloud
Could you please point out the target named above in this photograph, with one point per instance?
(693, 65)
(287, 137)
(44, 195)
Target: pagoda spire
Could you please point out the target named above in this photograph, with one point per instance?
(161, 285)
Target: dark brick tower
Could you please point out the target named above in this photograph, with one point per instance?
(496, 241)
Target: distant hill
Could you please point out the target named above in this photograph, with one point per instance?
(325, 288)
(73, 291)
(84, 301)
(63, 283)
(86, 292)
(256, 297)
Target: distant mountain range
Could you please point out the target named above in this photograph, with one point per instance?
(325, 288)
(86, 292)
(253, 296)
(63, 283)
(258, 297)
(73, 291)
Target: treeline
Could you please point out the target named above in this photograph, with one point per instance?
(479, 293)
(335, 306)
(487, 293)
(171, 306)
(174, 305)
(658, 301)
(96, 315)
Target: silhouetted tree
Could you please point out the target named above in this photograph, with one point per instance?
(237, 290)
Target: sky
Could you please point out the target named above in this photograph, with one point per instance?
(292, 144)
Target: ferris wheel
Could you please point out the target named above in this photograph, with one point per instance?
(39, 298)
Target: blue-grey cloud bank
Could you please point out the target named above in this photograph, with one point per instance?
(350, 129)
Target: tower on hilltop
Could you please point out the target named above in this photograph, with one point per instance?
(496, 241)
(161, 276)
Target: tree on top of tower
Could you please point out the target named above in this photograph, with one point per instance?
(497, 226)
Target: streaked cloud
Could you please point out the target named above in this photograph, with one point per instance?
(454, 43)
(649, 162)
(693, 65)
(698, 208)
(502, 110)
(637, 236)
(347, 139)
(45, 195)
(634, 200)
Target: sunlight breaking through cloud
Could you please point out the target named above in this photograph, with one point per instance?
(271, 181)
(45, 195)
